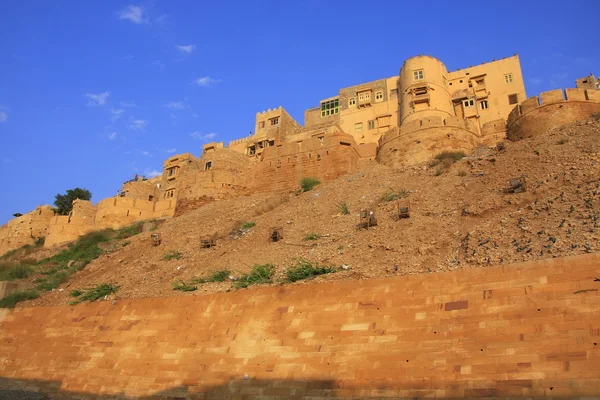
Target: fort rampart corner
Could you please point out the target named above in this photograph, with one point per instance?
(400, 120)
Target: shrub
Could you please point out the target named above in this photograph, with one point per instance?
(247, 225)
(454, 156)
(182, 286)
(391, 195)
(75, 293)
(97, 292)
(130, 231)
(259, 274)
(126, 243)
(39, 242)
(217, 276)
(172, 254)
(15, 297)
(16, 271)
(343, 207)
(84, 250)
(311, 236)
(305, 269)
(308, 183)
(563, 140)
(52, 281)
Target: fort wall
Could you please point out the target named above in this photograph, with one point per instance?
(419, 140)
(537, 115)
(324, 158)
(527, 330)
(23, 230)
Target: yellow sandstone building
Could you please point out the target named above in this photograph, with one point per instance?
(397, 121)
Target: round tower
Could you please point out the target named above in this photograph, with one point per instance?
(423, 90)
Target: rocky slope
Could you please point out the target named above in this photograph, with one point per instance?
(459, 218)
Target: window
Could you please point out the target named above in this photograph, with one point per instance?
(271, 143)
(379, 96)
(468, 103)
(513, 98)
(251, 150)
(170, 193)
(418, 74)
(508, 78)
(480, 82)
(483, 104)
(421, 90)
(274, 121)
(261, 124)
(371, 124)
(358, 127)
(363, 96)
(330, 107)
(393, 93)
(207, 165)
(352, 101)
(150, 197)
(172, 171)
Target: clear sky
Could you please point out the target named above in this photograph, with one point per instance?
(93, 92)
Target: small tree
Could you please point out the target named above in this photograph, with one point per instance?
(64, 202)
(17, 215)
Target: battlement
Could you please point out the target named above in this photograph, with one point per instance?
(552, 97)
(270, 112)
(550, 110)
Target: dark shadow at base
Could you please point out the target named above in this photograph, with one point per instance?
(253, 389)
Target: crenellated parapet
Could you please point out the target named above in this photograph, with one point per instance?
(539, 114)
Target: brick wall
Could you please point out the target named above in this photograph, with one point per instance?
(525, 330)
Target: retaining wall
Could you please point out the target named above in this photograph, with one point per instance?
(524, 330)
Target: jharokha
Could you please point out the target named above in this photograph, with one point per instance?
(396, 121)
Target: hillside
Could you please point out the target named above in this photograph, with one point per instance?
(459, 218)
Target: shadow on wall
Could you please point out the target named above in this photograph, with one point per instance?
(258, 389)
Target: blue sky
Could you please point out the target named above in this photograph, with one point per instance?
(93, 92)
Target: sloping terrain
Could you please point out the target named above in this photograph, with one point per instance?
(459, 218)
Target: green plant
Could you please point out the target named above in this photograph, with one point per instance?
(311, 236)
(53, 281)
(563, 140)
(182, 286)
(247, 225)
(14, 272)
(15, 297)
(75, 293)
(259, 274)
(308, 184)
(217, 276)
(454, 156)
(126, 243)
(172, 254)
(39, 242)
(305, 269)
(391, 195)
(97, 292)
(343, 207)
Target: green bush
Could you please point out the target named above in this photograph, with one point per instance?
(391, 195)
(311, 236)
(343, 207)
(15, 271)
(75, 293)
(15, 297)
(259, 274)
(247, 225)
(53, 281)
(172, 254)
(450, 155)
(217, 276)
(182, 286)
(130, 231)
(305, 269)
(84, 250)
(308, 184)
(98, 292)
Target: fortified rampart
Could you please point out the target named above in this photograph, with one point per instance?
(552, 109)
(418, 140)
(25, 229)
(326, 158)
(528, 330)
